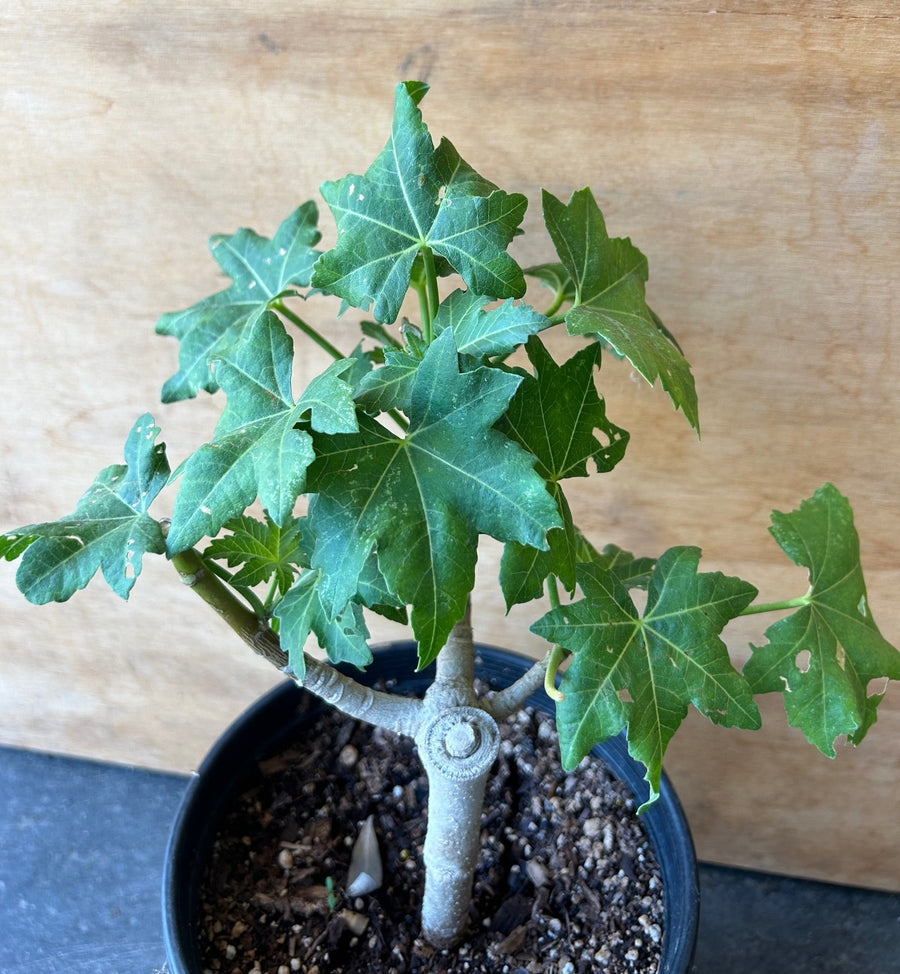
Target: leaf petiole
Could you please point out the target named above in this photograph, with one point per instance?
(797, 603)
(226, 576)
(555, 306)
(307, 330)
(558, 656)
(431, 294)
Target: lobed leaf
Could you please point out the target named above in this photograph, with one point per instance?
(642, 671)
(110, 529)
(260, 550)
(414, 196)
(420, 501)
(481, 331)
(556, 414)
(824, 656)
(609, 274)
(261, 270)
(260, 449)
(344, 637)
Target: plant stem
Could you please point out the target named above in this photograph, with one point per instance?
(196, 575)
(454, 681)
(511, 699)
(226, 576)
(400, 714)
(424, 310)
(335, 353)
(434, 298)
(797, 603)
(458, 741)
(556, 305)
(308, 330)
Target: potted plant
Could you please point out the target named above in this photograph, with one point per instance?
(376, 480)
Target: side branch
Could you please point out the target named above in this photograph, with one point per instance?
(400, 714)
(503, 703)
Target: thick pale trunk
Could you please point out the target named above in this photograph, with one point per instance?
(458, 743)
(456, 734)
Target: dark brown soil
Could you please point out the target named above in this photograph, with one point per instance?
(566, 884)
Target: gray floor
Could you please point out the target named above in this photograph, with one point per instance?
(81, 850)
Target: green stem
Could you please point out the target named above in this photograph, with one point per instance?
(434, 298)
(558, 655)
(557, 658)
(797, 603)
(323, 343)
(308, 330)
(553, 591)
(421, 289)
(226, 576)
(557, 304)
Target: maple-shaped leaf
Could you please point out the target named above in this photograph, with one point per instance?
(259, 449)
(557, 415)
(300, 612)
(261, 270)
(609, 274)
(632, 572)
(420, 501)
(826, 653)
(492, 331)
(523, 569)
(642, 671)
(414, 196)
(109, 530)
(260, 550)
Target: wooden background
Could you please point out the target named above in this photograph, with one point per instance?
(751, 152)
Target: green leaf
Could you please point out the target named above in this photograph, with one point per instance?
(12, 545)
(556, 414)
(389, 387)
(261, 270)
(479, 331)
(261, 549)
(421, 501)
(609, 275)
(300, 612)
(643, 671)
(632, 572)
(412, 197)
(110, 528)
(825, 654)
(555, 277)
(523, 570)
(259, 449)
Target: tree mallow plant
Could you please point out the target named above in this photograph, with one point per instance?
(419, 438)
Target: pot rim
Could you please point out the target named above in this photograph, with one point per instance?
(286, 705)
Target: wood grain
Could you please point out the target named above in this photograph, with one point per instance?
(752, 153)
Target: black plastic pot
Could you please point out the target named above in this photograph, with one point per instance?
(280, 712)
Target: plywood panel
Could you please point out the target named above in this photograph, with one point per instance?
(752, 153)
